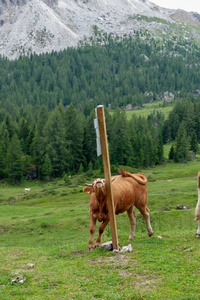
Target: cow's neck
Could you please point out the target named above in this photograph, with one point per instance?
(100, 195)
(101, 199)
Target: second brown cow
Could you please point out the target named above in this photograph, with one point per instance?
(128, 190)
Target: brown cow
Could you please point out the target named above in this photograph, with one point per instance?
(128, 190)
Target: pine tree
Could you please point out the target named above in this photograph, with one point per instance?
(4, 136)
(13, 160)
(9, 126)
(120, 143)
(149, 150)
(4, 144)
(46, 168)
(171, 152)
(55, 143)
(38, 144)
(159, 150)
(23, 134)
(2, 161)
(182, 145)
(74, 129)
(80, 169)
(136, 143)
(193, 143)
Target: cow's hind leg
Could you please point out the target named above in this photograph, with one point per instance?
(197, 214)
(198, 230)
(132, 218)
(145, 212)
(197, 217)
(101, 230)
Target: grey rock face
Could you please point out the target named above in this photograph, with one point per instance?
(28, 26)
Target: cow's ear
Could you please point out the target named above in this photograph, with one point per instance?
(88, 190)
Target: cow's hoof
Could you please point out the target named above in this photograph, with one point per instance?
(198, 235)
(91, 247)
(151, 234)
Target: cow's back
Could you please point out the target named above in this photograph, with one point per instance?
(127, 192)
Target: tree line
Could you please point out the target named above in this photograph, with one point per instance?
(183, 128)
(64, 142)
(47, 106)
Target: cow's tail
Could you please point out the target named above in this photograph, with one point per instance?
(197, 210)
(140, 178)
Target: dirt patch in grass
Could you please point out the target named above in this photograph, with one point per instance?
(125, 273)
(114, 260)
(78, 253)
(4, 229)
(174, 191)
(126, 266)
(147, 280)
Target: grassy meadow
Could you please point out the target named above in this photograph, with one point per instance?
(158, 106)
(49, 227)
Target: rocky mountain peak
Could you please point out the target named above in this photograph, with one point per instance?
(45, 25)
(185, 17)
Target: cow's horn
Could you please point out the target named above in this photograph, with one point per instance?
(88, 184)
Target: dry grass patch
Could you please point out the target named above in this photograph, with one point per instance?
(114, 260)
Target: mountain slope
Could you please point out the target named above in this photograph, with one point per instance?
(45, 25)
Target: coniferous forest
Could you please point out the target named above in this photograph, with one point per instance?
(47, 106)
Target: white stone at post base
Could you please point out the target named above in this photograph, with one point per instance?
(108, 246)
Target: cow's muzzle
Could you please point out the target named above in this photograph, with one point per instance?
(99, 183)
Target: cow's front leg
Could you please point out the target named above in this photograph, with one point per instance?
(92, 231)
(101, 230)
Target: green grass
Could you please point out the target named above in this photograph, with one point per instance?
(158, 20)
(167, 148)
(49, 227)
(151, 108)
(158, 106)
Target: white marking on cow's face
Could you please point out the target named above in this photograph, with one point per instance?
(99, 183)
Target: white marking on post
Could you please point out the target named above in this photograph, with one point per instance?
(98, 141)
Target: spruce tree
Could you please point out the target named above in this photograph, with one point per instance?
(13, 160)
(171, 152)
(4, 136)
(46, 168)
(2, 161)
(193, 143)
(38, 144)
(120, 143)
(159, 150)
(55, 143)
(4, 144)
(74, 129)
(182, 145)
(149, 150)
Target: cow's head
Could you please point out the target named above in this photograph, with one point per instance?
(98, 186)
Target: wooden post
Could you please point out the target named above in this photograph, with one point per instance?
(107, 173)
